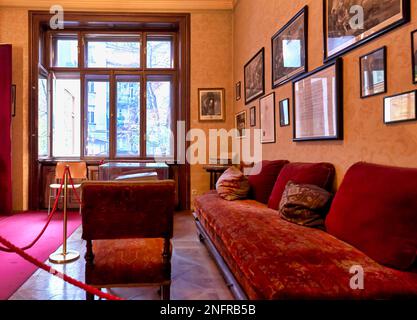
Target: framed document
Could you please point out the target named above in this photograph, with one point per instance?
(255, 77)
(373, 71)
(318, 104)
(400, 108)
(351, 23)
(289, 49)
(267, 119)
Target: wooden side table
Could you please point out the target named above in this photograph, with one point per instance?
(215, 172)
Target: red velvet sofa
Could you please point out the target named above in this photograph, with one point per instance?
(372, 223)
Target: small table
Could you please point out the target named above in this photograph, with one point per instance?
(215, 172)
(110, 171)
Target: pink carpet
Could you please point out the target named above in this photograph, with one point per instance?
(21, 229)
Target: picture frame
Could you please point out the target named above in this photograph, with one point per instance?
(13, 96)
(211, 104)
(252, 116)
(400, 107)
(238, 91)
(414, 55)
(290, 49)
(284, 113)
(240, 122)
(373, 73)
(343, 32)
(267, 118)
(314, 120)
(254, 72)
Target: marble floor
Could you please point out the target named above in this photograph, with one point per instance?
(195, 276)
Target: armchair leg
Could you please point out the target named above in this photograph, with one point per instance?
(166, 292)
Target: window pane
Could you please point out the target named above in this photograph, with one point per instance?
(43, 118)
(128, 117)
(97, 135)
(66, 53)
(159, 52)
(113, 54)
(158, 119)
(66, 118)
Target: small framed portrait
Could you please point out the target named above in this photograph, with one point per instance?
(373, 71)
(238, 91)
(241, 124)
(414, 54)
(284, 113)
(255, 77)
(13, 100)
(289, 49)
(400, 108)
(252, 117)
(211, 104)
(267, 119)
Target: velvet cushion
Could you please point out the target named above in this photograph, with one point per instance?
(375, 210)
(263, 179)
(304, 204)
(232, 185)
(318, 174)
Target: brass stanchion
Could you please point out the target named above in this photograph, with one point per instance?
(65, 256)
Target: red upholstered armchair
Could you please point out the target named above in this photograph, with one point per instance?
(128, 227)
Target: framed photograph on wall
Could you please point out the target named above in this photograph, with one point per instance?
(255, 77)
(267, 119)
(13, 100)
(373, 73)
(252, 116)
(241, 124)
(414, 54)
(318, 103)
(349, 24)
(211, 104)
(238, 91)
(400, 107)
(289, 49)
(284, 113)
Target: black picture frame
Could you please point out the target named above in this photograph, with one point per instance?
(241, 117)
(279, 81)
(238, 91)
(257, 61)
(402, 120)
(284, 104)
(271, 117)
(338, 108)
(13, 96)
(365, 37)
(367, 56)
(252, 116)
(414, 55)
(218, 97)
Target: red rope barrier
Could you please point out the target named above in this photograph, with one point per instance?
(73, 187)
(56, 273)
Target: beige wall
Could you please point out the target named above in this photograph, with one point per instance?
(211, 67)
(366, 137)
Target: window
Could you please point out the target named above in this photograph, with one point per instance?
(43, 117)
(116, 102)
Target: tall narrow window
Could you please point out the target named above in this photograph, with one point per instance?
(159, 53)
(159, 117)
(66, 117)
(128, 116)
(43, 117)
(98, 122)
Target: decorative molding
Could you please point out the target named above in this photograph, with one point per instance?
(136, 5)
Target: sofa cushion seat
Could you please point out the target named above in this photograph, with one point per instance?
(275, 259)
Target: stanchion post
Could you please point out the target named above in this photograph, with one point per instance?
(65, 256)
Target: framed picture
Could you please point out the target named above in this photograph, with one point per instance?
(211, 104)
(414, 54)
(238, 91)
(318, 102)
(351, 23)
(255, 77)
(252, 116)
(267, 119)
(13, 100)
(284, 113)
(289, 49)
(241, 124)
(400, 108)
(373, 71)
